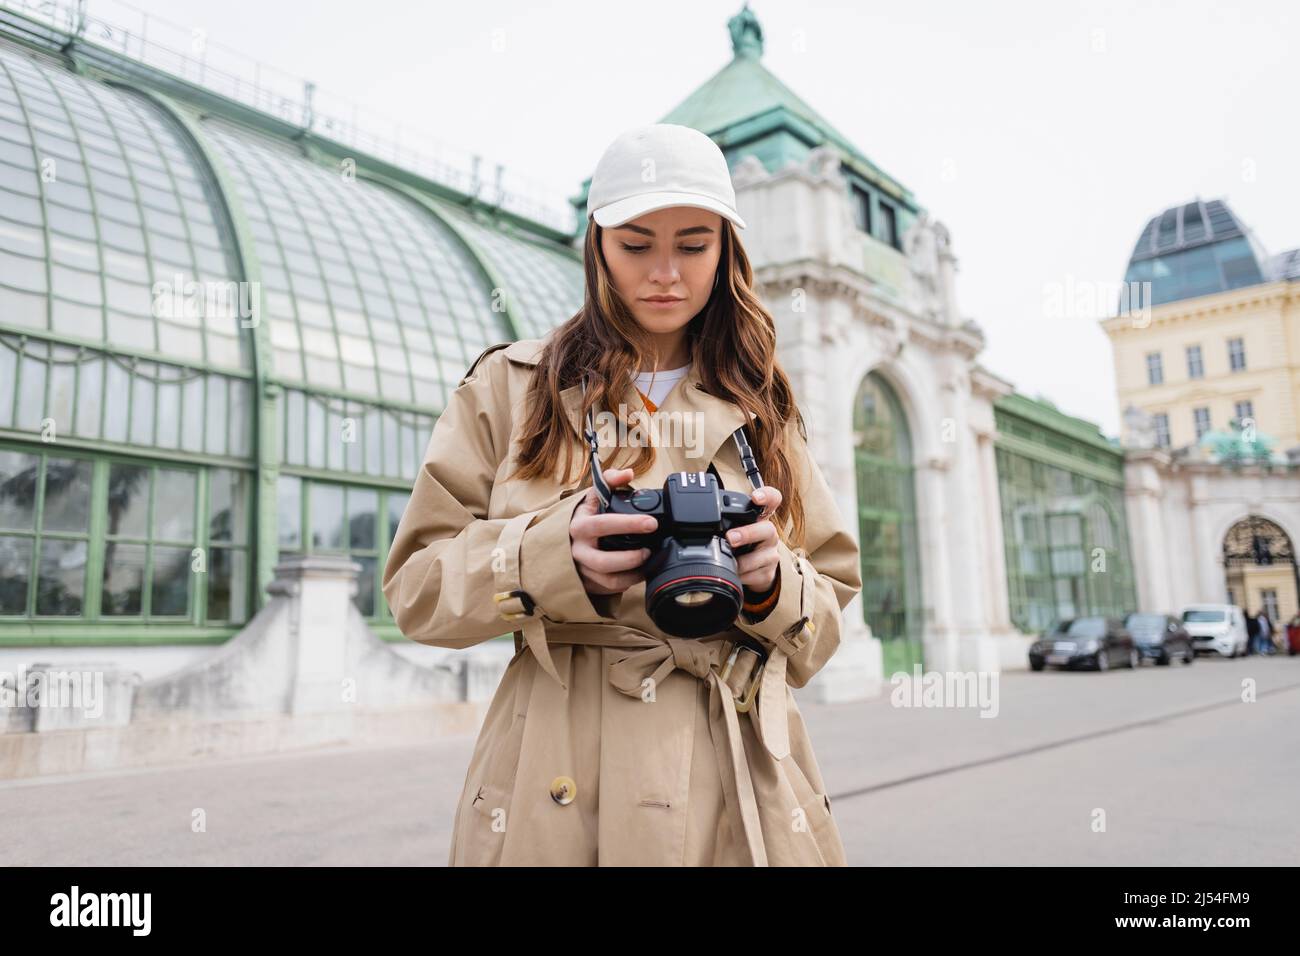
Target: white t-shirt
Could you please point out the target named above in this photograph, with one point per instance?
(664, 380)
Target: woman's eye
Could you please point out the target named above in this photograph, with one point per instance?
(693, 250)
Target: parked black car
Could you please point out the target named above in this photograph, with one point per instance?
(1090, 642)
(1160, 637)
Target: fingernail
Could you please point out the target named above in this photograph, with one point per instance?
(734, 537)
(758, 496)
(649, 524)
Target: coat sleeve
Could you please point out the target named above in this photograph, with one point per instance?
(448, 558)
(816, 581)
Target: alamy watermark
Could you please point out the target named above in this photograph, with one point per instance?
(946, 689)
(636, 428)
(50, 687)
(192, 299)
(1090, 299)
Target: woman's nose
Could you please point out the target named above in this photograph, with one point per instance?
(665, 270)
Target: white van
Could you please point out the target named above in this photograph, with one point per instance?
(1216, 627)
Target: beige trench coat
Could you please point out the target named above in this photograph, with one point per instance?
(608, 742)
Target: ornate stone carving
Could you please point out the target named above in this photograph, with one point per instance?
(1139, 428)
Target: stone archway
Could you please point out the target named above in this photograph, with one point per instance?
(1259, 563)
(887, 523)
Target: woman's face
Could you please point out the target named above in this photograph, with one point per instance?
(669, 253)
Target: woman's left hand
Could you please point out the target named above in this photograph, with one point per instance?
(758, 568)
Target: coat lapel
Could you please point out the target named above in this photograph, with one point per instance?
(693, 425)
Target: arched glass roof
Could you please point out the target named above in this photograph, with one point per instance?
(100, 198)
(370, 293)
(366, 292)
(543, 288)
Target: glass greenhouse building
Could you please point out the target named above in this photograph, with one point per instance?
(223, 339)
(1064, 525)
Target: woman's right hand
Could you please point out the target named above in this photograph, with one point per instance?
(607, 572)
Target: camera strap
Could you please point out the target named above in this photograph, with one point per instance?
(739, 436)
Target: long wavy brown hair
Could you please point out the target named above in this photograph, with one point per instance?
(732, 343)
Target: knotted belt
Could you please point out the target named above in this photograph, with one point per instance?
(654, 658)
(704, 660)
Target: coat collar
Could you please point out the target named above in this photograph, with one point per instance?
(707, 420)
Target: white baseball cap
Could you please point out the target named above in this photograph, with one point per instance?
(651, 167)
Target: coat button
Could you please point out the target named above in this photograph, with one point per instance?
(563, 790)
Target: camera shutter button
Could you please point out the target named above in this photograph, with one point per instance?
(645, 499)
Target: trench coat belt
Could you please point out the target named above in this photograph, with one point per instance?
(652, 658)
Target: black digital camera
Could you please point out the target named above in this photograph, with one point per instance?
(692, 586)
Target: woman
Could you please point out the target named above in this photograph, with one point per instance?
(610, 742)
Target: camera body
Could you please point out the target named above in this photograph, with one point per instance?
(692, 507)
(692, 585)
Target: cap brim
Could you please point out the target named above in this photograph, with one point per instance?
(625, 210)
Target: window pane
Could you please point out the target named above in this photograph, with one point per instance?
(215, 429)
(171, 582)
(61, 581)
(67, 495)
(173, 512)
(295, 428)
(31, 394)
(116, 390)
(325, 512)
(128, 500)
(288, 509)
(18, 490)
(228, 508)
(169, 405)
(15, 572)
(142, 408)
(192, 426)
(227, 585)
(396, 506)
(123, 579)
(363, 507)
(89, 400)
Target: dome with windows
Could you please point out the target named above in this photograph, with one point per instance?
(1196, 249)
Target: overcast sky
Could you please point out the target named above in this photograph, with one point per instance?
(1044, 134)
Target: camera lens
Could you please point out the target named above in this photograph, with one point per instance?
(692, 590)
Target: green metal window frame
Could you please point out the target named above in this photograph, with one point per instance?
(887, 525)
(110, 397)
(385, 526)
(1054, 522)
(92, 624)
(380, 442)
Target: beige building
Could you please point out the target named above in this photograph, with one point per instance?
(1207, 365)
(1216, 335)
